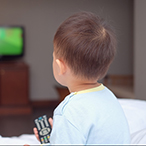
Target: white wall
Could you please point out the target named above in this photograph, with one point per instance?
(140, 48)
(41, 19)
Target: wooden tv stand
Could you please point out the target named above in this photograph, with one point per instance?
(14, 88)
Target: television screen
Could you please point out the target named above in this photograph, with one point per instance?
(11, 42)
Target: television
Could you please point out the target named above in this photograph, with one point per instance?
(11, 42)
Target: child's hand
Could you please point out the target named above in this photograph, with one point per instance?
(51, 122)
(36, 131)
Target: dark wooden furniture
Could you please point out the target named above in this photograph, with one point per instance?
(14, 88)
(121, 85)
(62, 92)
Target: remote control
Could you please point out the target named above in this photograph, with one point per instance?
(44, 129)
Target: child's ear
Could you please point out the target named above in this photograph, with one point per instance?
(62, 66)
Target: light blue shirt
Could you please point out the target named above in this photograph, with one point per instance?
(92, 116)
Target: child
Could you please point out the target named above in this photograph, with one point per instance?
(84, 47)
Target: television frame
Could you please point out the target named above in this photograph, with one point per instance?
(14, 57)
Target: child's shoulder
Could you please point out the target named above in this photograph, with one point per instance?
(85, 102)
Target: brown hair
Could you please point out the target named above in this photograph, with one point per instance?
(86, 43)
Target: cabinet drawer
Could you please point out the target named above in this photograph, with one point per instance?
(14, 86)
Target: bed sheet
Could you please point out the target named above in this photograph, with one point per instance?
(135, 112)
(19, 140)
(139, 137)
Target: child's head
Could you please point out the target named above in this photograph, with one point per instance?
(86, 44)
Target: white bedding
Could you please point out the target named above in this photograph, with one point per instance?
(135, 111)
(20, 140)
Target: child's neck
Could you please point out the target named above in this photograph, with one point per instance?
(79, 86)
